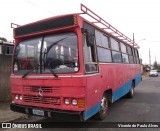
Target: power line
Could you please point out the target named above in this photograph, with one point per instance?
(153, 41)
(35, 5)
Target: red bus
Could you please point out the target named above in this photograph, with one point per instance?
(69, 67)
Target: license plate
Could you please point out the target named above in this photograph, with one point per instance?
(38, 112)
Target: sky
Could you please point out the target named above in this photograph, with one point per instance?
(141, 17)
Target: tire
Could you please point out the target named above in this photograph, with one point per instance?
(131, 92)
(103, 112)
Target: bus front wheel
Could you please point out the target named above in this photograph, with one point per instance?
(103, 112)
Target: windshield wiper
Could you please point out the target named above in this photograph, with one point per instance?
(48, 49)
(53, 73)
(46, 52)
(31, 70)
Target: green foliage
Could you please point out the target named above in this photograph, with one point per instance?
(3, 39)
(155, 65)
(158, 67)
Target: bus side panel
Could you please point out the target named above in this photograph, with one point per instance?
(120, 77)
(138, 79)
(117, 77)
(125, 88)
(96, 85)
(93, 96)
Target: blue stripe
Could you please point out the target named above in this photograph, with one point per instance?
(138, 79)
(92, 111)
(123, 90)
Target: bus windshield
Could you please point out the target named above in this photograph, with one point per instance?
(56, 53)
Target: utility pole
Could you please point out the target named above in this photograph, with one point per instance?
(133, 40)
(149, 58)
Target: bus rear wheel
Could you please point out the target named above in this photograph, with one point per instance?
(131, 92)
(103, 112)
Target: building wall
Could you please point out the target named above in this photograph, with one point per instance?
(5, 70)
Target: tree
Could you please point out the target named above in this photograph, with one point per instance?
(158, 67)
(3, 39)
(155, 65)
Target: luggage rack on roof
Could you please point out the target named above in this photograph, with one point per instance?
(107, 27)
(13, 25)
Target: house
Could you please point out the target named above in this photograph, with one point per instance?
(6, 51)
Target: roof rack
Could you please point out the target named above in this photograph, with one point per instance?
(107, 27)
(13, 25)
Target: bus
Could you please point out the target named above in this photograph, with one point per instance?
(70, 67)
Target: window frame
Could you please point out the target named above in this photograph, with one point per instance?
(120, 54)
(111, 60)
(114, 45)
(107, 48)
(116, 42)
(95, 55)
(127, 57)
(101, 37)
(124, 45)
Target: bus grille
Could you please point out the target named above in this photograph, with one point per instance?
(47, 89)
(42, 100)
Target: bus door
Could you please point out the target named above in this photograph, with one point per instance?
(91, 67)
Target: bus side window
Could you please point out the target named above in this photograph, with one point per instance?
(89, 56)
(116, 54)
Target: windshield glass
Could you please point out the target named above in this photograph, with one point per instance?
(52, 53)
(27, 55)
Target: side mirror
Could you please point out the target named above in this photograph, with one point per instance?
(89, 39)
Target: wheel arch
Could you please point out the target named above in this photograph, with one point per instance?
(108, 94)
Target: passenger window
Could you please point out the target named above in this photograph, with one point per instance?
(131, 59)
(123, 48)
(125, 58)
(136, 51)
(114, 44)
(101, 39)
(138, 61)
(135, 60)
(129, 50)
(104, 55)
(116, 57)
(133, 51)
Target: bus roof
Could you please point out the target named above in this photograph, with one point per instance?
(62, 21)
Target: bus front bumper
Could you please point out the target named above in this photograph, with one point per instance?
(45, 112)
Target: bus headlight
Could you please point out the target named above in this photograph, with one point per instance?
(16, 97)
(66, 101)
(74, 102)
(21, 98)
